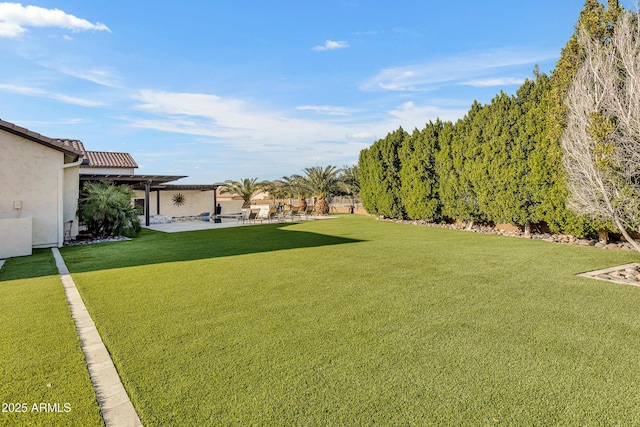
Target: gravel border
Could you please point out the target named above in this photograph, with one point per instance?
(627, 274)
(547, 237)
(94, 241)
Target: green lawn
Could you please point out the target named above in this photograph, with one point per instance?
(351, 321)
(41, 361)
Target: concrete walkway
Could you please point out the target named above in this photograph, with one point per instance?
(117, 410)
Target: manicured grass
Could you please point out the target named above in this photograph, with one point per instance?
(351, 321)
(41, 361)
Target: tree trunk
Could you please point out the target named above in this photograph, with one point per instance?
(302, 203)
(469, 225)
(627, 237)
(603, 236)
(527, 230)
(322, 207)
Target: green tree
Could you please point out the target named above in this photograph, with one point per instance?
(349, 182)
(246, 188)
(457, 169)
(321, 182)
(418, 177)
(106, 210)
(379, 173)
(490, 156)
(370, 178)
(276, 189)
(294, 186)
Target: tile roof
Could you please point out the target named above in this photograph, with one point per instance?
(75, 148)
(73, 143)
(101, 159)
(106, 159)
(55, 144)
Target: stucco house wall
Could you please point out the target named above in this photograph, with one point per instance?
(31, 177)
(36, 184)
(196, 202)
(106, 170)
(70, 200)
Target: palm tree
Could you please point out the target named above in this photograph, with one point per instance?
(350, 182)
(245, 188)
(294, 186)
(322, 182)
(106, 209)
(276, 190)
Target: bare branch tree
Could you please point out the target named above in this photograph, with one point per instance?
(601, 141)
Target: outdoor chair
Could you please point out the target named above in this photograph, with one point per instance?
(251, 216)
(310, 211)
(284, 214)
(272, 214)
(291, 213)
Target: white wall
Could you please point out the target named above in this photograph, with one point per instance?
(196, 203)
(30, 174)
(70, 195)
(15, 237)
(34, 184)
(106, 171)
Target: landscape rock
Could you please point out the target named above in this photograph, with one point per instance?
(485, 229)
(93, 241)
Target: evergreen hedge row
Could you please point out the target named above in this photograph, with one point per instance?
(497, 164)
(501, 163)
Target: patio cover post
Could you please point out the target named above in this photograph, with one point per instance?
(147, 188)
(215, 202)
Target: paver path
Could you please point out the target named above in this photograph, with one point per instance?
(117, 409)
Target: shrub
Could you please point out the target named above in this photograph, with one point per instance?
(106, 210)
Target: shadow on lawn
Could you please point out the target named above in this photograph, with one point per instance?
(154, 247)
(39, 264)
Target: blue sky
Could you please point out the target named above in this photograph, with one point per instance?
(222, 90)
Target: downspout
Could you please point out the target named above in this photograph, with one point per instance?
(61, 198)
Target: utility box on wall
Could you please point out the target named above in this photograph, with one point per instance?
(16, 237)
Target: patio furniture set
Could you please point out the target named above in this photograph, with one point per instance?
(253, 215)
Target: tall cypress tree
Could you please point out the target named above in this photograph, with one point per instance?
(456, 166)
(371, 174)
(419, 180)
(380, 169)
(496, 161)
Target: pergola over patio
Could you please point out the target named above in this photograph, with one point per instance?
(150, 183)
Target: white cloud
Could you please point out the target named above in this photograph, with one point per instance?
(30, 91)
(240, 137)
(30, 123)
(10, 29)
(14, 18)
(212, 115)
(241, 125)
(498, 81)
(453, 69)
(410, 116)
(269, 137)
(98, 76)
(361, 136)
(326, 109)
(331, 45)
